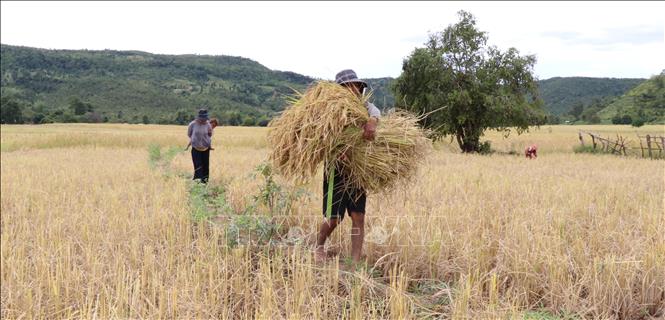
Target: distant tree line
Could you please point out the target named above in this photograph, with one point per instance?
(17, 111)
(43, 86)
(581, 113)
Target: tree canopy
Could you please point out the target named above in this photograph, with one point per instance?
(467, 86)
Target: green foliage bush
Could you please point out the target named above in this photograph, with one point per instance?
(638, 122)
(625, 119)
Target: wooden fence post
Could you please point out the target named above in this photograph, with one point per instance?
(649, 146)
(593, 140)
(616, 144)
(581, 140)
(641, 146)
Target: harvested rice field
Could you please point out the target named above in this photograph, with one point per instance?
(103, 222)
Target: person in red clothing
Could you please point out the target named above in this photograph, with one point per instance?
(531, 151)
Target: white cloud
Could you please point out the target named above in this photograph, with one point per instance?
(600, 39)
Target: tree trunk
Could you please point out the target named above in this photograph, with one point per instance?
(468, 143)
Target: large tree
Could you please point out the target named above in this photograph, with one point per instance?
(11, 110)
(472, 86)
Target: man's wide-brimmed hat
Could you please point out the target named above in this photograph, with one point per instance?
(348, 76)
(203, 114)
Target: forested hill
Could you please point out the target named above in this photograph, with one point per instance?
(132, 86)
(644, 103)
(561, 94)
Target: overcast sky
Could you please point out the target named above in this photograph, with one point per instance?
(594, 39)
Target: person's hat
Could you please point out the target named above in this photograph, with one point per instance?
(348, 76)
(203, 114)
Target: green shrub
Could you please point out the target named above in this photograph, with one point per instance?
(638, 122)
(485, 148)
(250, 230)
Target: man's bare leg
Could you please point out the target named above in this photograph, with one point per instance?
(325, 230)
(357, 235)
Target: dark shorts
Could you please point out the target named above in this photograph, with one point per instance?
(343, 199)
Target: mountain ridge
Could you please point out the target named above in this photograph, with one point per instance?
(132, 85)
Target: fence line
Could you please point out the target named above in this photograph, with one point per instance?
(617, 146)
(653, 143)
(650, 146)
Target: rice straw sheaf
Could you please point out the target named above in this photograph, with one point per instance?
(306, 133)
(326, 122)
(392, 158)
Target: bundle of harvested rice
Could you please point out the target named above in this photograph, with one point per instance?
(326, 122)
(393, 157)
(306, 133)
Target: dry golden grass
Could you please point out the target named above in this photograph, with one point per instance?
(562, 138)
(117, 136)
(89, 230)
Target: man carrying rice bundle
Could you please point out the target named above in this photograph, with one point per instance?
(333, 124)
(338, 197)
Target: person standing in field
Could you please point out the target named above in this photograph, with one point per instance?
(199, 132)
(336, 198)
(213, 124)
